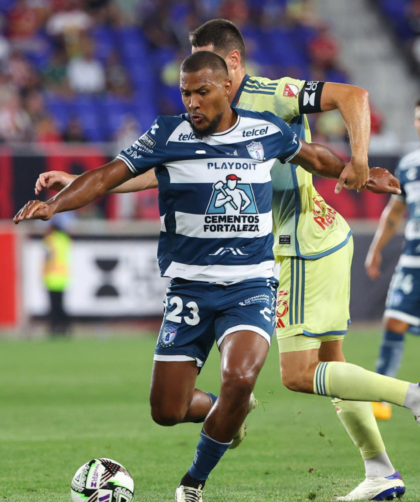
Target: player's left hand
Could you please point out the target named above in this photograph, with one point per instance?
(382, 181)
(354, 176)
(34, 210)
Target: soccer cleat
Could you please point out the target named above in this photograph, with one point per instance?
(189, 494)
(388, 488)
(382, 411)
(240, 435)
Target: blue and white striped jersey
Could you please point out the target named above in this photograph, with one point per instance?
(214, 194)
(408, 172)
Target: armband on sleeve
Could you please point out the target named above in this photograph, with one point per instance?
(310, 97)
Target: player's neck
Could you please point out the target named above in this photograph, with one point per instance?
(237, 79)
(228, 120)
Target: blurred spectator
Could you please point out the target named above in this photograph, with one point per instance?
(4, 42)
(85, 73)
(15, 123)
(301, 12)
(104, 12)
(128, 133)
(22, 73)
(45, 131)
(25, 18)
(324, 49)
(55, 74)
(69, 24)
(34, 106)
(74, 132)
(116, 77)
(157, 25)
(236, 11)
(330, 126)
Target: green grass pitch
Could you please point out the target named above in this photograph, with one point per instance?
(65, 402)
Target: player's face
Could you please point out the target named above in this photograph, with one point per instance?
(231, 184)
(417, 119)
(205, 95)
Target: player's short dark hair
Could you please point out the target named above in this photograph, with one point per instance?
(204, 59)
(417, 103)
(222, 34)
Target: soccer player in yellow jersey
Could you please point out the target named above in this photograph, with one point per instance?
(314, 246)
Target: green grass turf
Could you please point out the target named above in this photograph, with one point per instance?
(65, 402)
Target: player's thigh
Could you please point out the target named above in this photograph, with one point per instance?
(172, 387)
(314, 296)
(244, 326)
(187, 331)
(403, 299)
(331, 349)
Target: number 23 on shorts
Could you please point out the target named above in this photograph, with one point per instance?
(174, 307)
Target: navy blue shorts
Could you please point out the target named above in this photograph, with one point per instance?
(197, 314)
(403, 301)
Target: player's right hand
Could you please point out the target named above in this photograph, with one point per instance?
(229, 198)
(34, 210)
(373, 264)
(382, 181)
(53, 180)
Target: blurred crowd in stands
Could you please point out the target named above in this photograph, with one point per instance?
(102, 70)
(404, 17)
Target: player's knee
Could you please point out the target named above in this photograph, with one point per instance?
(395, 325)
(167, 417)
(238, 381)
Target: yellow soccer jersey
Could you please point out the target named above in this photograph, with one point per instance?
(304, 224)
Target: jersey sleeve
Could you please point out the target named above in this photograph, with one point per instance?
(286, 98)
(287, 143)
(148, 151)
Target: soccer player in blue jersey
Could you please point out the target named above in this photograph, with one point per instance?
(226, 296)
(402, 311)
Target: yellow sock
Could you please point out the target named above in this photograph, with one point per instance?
(360, 424)
(353, 383)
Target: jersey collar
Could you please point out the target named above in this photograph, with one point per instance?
(241, 88)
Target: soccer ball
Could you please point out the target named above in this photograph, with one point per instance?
(102, 480)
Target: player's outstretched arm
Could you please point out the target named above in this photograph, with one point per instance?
(353, 104)
(57, 180)
(320, 160)
(390, 219)
(78, 193)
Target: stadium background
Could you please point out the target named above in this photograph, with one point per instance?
(80, 79)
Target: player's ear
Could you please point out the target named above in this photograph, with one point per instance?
(228, 87)
(233, 60)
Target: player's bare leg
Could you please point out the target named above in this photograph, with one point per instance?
(389, 359)
(243, 354)
(357, 418)
(173, 396)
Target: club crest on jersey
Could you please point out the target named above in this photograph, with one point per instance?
(256, 150)
(168, 334)
(291, 91)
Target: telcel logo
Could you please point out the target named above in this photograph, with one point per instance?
(255, 132)
(188, 137)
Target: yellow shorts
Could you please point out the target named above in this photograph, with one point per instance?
(313, 300)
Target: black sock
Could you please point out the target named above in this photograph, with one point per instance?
(188, 480)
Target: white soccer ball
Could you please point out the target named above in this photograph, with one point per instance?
(102, 480)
